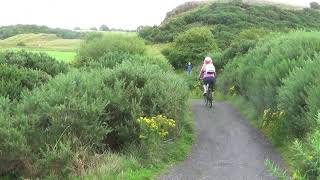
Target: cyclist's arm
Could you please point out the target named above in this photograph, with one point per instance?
(201, 73)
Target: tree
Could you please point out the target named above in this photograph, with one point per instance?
(77, 28)
(104, 27)
(191, 46)
(314, 5)
(94, 29)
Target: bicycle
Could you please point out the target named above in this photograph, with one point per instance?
(208, 98)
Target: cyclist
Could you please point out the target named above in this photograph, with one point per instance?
(207, 74)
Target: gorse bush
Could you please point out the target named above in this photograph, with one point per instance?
(36, 61)
(13, 145)
(292, 96)
(258, 77)
(14, 80)
(96, 109)
(191, 46)
(245, 41)
(112, 59)
(97, 45)
(108, 60)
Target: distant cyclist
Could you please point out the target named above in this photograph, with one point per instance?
(207, 74)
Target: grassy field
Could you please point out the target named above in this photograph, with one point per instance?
(63, 56)
(41, 42)
(60, 49)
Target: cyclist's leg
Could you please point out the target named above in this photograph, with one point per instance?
(205, 86)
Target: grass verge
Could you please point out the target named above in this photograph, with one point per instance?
(132, 166)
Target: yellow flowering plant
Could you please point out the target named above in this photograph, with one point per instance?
(270, 116)
(232, 90)
(156, 128)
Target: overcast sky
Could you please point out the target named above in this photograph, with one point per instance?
(126, 14)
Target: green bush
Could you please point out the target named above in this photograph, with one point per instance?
(14, 80)
(97, 45)
(96, 109)
(191, 46)
(36, 61)
(292, 97)
(313, 103)
(108, 60)
(263, 77)
(261, 70)
(251, 34)
(236, 49)
(111, 59)
(307, 155)
(13, 145)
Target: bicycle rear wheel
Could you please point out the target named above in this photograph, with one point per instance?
(209, 99)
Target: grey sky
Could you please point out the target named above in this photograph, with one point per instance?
(127, 14)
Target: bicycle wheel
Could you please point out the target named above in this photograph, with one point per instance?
(209, 99)
(205, 98)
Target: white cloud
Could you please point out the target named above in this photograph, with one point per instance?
(127, 14)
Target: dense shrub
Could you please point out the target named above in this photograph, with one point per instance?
(14, 80)
(263, 77)
(292, 96)
(35, 61)
(236, 49)
(14, 148)
(95, 109)
(98, 45)
(191, 46)
(111, 59)
(261, 70)
(108, 60)
(313, 104)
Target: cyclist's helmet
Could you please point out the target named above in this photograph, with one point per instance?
(207, 60)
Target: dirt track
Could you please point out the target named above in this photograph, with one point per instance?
(227, 148)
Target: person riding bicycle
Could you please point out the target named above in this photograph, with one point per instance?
(207, 74)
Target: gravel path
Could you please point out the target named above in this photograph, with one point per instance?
(227, 148)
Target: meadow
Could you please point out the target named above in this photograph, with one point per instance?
(58, 48)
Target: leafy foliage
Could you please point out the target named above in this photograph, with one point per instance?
(35, 61)
(190, 46)
(14, 80)
(281, 74)
(97, 45)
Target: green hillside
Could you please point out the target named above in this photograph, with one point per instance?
(9, 31)
(229, 19)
